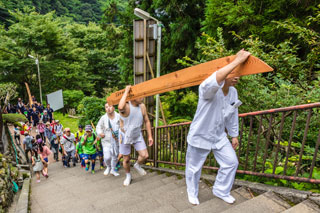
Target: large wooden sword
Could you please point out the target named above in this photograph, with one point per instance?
(190, 76)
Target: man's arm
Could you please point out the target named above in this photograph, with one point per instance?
(226, 70)
(147, 123)
(209, 87)
(123, 107)
(99, 128)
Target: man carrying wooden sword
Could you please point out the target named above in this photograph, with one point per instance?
(133, 114)
(217, 110)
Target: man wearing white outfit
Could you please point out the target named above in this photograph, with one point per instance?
(217, 111)
(133, 114)
(108, 129)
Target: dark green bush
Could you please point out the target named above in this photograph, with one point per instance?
(13, 118)
(91, 108)
(72, 98)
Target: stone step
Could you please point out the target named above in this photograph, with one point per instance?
(150, 195)
(264, 203)
(166, 209)
(132, 194)
(306, 206)
(177, 199)
(240, 194)
(166, 185)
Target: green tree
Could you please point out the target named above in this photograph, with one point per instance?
(62, 63)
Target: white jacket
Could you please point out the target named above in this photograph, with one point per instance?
(103, 127)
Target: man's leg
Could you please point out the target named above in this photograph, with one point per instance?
(194, 161)
(126, 166)
(73, 155)
(143, 155)
(107, 159)
(67, 159)
(141, 148)
(26, 153)
(228, 161)
(93, 162)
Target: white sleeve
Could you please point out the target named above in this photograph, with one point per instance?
(232, 122)
(100, 127)
(209, 87)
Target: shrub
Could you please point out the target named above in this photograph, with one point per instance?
(13, 118)
(72, 98)
(91, 108)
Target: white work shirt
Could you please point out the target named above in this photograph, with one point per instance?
(214, 114)
(103, 127)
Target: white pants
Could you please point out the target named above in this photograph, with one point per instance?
(227, 159)
(109, 158)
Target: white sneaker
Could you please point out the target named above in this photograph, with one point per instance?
(228, 199)
(114, 173)
(107, 171)
(140, 170)
(127, 181)
(193, 200)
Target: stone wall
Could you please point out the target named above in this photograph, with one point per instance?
(8, 173)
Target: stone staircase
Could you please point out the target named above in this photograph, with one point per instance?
(163, 192)
(157, 192)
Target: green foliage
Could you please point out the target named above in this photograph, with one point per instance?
(179, 106)
(82, 11)
(13, 118)
(72, 56)
(7, 92)
(91, 108)
(66, 121)
(72, 98)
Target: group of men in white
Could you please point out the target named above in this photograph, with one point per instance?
(216, 118)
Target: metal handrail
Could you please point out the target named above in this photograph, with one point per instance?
(262, 134)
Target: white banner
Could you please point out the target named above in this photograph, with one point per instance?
(55, 100)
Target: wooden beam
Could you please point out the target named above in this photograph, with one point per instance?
(188, 77)
(29, 94)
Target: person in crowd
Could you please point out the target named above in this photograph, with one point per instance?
(133, 114)
(33, 98)
(28, 113)
(216, 112)
(54, 146)
(41, 108)
(45, 117)
(88, 142)
(80, 154)
(41, 126)
(100, 152)
(16, 134)
(58, 129)
(27, 145)
(50, 113)
(108, 130)
(35, 116)
(68, 147)
(10, 109)
(20, 106)
(44, 151)
(79, 133)
(37, 163)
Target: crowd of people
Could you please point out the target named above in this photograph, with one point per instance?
(216, 118)
(85, 146)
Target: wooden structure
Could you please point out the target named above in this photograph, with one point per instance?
(29, 94)
(144, 56)
(188, 77)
